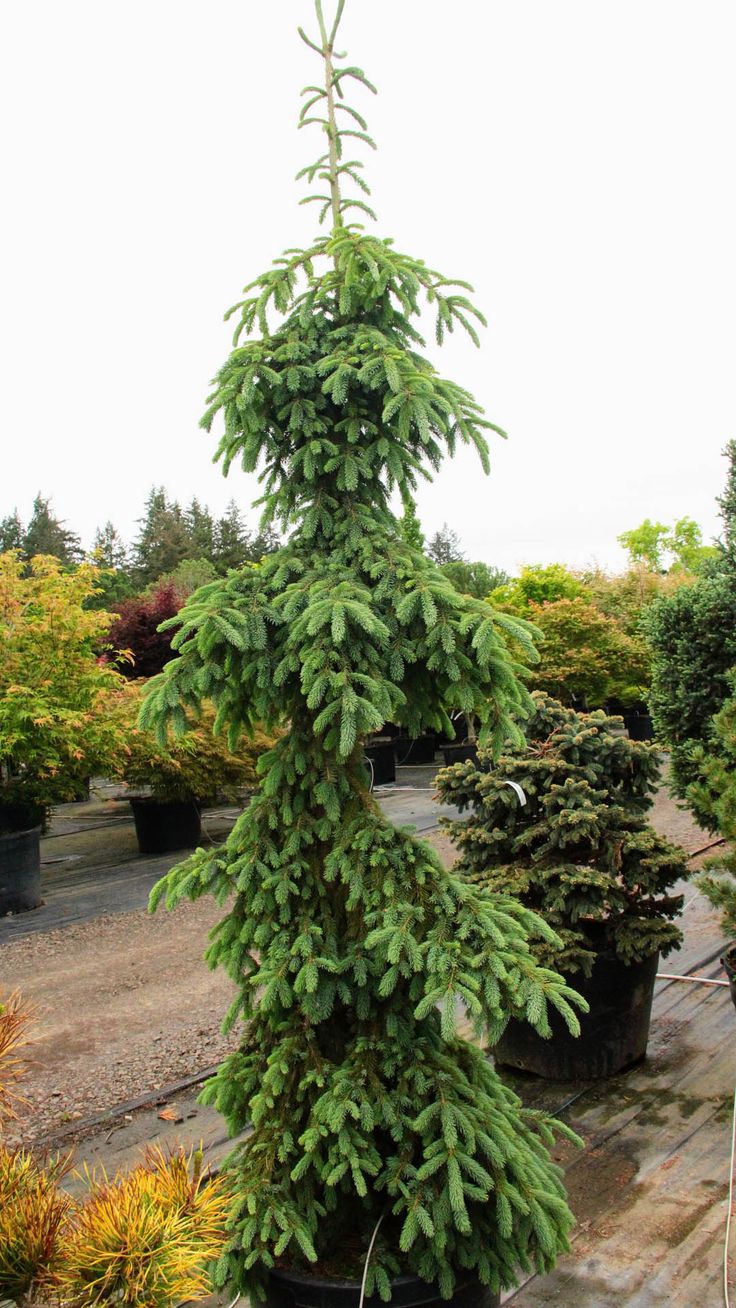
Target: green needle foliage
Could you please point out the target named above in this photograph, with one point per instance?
(580, 851)
(713, 800)
(351, 947)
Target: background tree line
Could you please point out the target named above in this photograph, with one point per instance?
(598, 639)
(171, 538)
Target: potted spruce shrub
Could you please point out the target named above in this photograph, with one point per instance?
(54, 725)
(375, 1126)
(713, 800)
(179, 777)
(576, 847)
(349, 942)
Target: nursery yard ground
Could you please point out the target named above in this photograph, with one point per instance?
(125, 1005)
(125, 1002)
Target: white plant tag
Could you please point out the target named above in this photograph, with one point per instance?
(520, 793)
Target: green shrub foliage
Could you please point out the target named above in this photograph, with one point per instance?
(349, 944)
(693, 637)
(580, 851)
(713, 799)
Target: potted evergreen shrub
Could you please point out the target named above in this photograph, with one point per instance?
(575, 846)
(54, 727)
(179, 778)
(376, 1129)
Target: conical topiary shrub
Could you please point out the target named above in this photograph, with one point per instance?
(350, 945)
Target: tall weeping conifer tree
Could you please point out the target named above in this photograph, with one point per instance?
(351, 947)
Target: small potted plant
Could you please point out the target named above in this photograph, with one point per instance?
(179, 777)
(54, 725)
(569, 838)
(713, 801)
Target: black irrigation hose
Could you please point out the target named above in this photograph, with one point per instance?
(704, 850)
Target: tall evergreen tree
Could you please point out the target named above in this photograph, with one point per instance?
(163, 540)
(727, 505)
(264, 542)
(201, 531)
(109, 552)
(46, 534)
(233, 540)
(349, 943)
(11, 532)
(444, 546)
(109, 549)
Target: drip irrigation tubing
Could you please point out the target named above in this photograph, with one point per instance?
(730, 1205)
(704, 849)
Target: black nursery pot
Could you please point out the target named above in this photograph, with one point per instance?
(20, 871)
(728, 962)
(414, 752)
(639, 726)
(162, 828)
(382, 766)
(613, 1035)
(459, 754)
(288, 1289)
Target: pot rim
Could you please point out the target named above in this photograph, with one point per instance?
(336, 1282)
(150, 800)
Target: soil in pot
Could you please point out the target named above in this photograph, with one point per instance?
(162, 828)
(291, 1289)
(613, 1035)
(20, 871)
(728, 962)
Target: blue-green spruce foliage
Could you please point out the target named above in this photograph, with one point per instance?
(349, 944)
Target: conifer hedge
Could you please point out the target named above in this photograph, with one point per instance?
(351, 947)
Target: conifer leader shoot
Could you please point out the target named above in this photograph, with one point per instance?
(349, 943)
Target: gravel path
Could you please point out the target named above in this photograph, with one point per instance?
(122, 1009)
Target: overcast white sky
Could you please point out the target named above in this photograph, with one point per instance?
(573, 160)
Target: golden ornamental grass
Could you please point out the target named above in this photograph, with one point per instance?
(15, 1019)
(145, 1239)
(33, 1214)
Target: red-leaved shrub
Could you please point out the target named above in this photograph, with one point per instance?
(135, 629)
